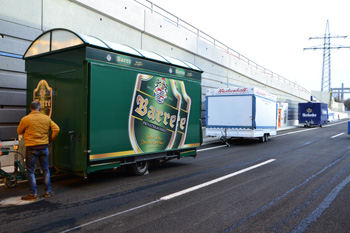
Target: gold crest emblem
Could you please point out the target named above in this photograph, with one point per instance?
(43, 94)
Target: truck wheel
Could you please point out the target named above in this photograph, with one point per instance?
(10, 183)
(139, 168)
(266, 136)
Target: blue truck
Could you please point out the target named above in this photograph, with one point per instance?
(313, 114)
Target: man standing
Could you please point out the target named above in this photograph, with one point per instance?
(36, 130)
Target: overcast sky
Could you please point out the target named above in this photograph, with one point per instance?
(273, 33)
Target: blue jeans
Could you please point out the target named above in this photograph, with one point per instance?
(43, 156)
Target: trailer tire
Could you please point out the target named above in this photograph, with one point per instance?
(266, 136)
(10, 183)
(139, 168)
(262, 139)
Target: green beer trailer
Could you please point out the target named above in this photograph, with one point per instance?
(115, 105)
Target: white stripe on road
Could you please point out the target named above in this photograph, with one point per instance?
(304, 130)
(211, 148)
(168, 197)
(335, 124)
(337, 135)
(308, 129)
(109, 216)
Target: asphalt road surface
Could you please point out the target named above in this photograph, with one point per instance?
(298, 181)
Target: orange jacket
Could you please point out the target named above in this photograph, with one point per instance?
(36, 129)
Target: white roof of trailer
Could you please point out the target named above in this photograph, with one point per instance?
(57, 39)
(240, 91)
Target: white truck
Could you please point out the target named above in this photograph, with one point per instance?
(240, 113)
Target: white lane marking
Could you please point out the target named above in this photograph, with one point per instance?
(335, 124)
(171, 196)
(109, 216)
(324, 126)
(210, 148)
(309, 129)
(337, 135)
(304, 130)
(305, 143)
(168, 197)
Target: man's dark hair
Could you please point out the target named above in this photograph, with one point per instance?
(35, 105)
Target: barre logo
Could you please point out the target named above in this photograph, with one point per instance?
(159, 114)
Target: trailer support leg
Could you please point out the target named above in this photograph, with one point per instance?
(224, 139)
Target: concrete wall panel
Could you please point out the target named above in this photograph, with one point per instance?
(13, 45)
(215, 77)
(11, 64)
(212, 53)
(258, 76)
(210, 67)
(11, 115)
(160, 28)
(21, 12)
(15, 30)
(12, 98)
(242, 68)
(121, 10)
(167, 49)
(212, 84)
(80, 19)
(12, 80)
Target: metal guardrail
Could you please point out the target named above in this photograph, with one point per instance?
(211, 40)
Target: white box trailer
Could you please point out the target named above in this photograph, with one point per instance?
(240, 113)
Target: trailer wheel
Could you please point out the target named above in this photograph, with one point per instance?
(10, 183)
(266, 137)
(262, 139)
(139, 168)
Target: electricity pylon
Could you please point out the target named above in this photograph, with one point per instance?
(326, 66)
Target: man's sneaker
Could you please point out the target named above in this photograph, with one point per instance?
(49, 194)
(29, 197)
